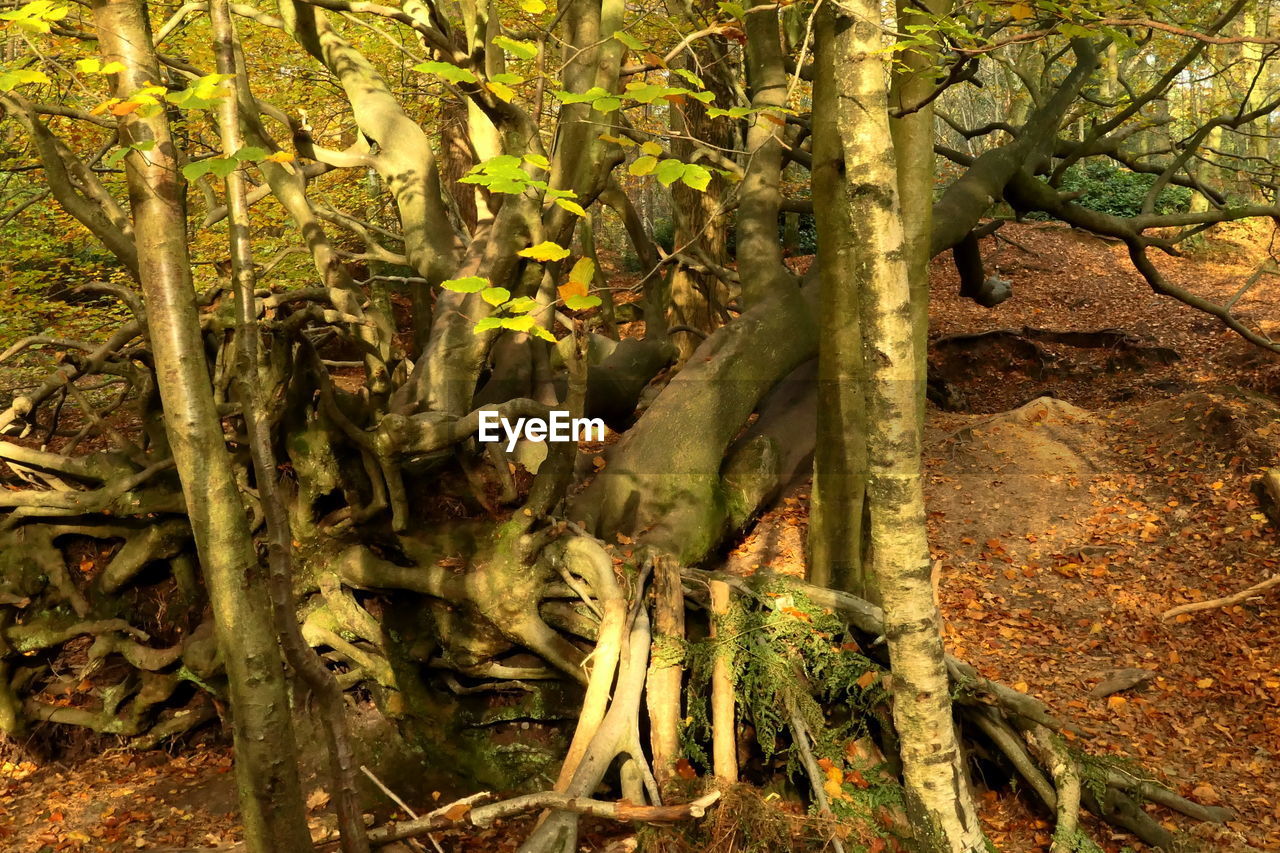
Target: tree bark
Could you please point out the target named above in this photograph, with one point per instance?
(836, 523)
(933, 767)
(913, 133)
(270, 794)
(258, 425)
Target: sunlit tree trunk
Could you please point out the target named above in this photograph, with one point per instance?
(270, 795)
(933, 767)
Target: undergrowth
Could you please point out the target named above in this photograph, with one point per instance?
(790, 656)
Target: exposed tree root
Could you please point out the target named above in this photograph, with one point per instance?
(1021, 729)
(495, 589)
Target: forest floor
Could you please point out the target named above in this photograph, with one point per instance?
(1108, 491)
(1083, 491)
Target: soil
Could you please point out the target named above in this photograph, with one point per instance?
(1075, 500)
(1064, 526)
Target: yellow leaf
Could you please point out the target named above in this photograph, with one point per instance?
(834, 784)
(1021, 11)
(643, 165)
(545, 251)
(653, 149)
(1115, 703)
(502, 90)
(583, 271)
(1204, 683)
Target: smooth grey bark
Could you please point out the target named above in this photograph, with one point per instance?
(270, 794)
(760, 196)
(933, 764)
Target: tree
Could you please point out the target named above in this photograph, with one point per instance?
(271, 805)
(431, 568)
(890, 334)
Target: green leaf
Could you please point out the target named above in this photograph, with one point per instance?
(467, 284)
(581, 303)
(539, 332)
(732, 112)
(447, 70)
(592, 94)
(669, 171)
(537, 160)
(113, 159)
(606, 105)
(545, 251)
(629, 40)
(223, 166)
(696, 177)
(642, 165)
(495, 296)
(200, 95)
(250, 153)
(521, 49)
(522, 305)
(583, 271)
(36, 16)
(486, 324)
(12, 79)
(501, 174)
(691, 77)
(647, 93)
(193, 171)
(508, 78)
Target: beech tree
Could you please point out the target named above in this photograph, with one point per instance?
(343, 230)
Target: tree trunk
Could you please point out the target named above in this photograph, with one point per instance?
(933, 766)
(913, 134)
(836, 524)
(270, 795)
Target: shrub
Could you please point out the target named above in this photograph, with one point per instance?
(1108, 188)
